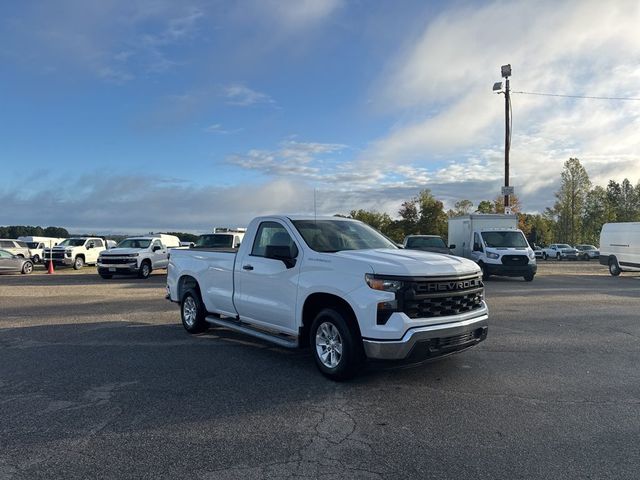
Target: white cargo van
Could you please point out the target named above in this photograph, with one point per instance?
(495, 243)
(620, 247)
(38, 244)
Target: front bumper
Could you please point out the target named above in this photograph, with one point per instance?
(430, 341)
(511, 270)
(119, 269)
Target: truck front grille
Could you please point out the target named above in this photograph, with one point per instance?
(518, 260)
(116, 261)
(441, 297)
(56, 255)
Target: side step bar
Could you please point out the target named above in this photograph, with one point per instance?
(278, 339)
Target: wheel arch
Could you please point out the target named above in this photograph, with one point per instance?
(318, 301)
(187, 282)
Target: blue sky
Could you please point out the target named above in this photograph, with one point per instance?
(146, 115)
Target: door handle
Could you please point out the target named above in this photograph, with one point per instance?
(247, 267)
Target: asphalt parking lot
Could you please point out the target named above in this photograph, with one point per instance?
(98, 379)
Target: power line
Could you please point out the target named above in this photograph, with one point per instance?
(576, 96)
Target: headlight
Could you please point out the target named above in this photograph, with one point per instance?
(67, 253)
(383, 284)
(492, 255)
(133, 254)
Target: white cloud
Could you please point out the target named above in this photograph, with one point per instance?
(220, 130)
(573, 47)
(243, 96)
(294, 15)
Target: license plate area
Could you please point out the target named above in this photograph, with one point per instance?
(112, 269)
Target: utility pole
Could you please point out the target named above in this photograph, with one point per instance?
(506, 73)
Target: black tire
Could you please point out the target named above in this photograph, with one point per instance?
(145, 269)
(614, 268)
(347, 341)
(192, 312)
(46, 265)
(20, 255)
(36, 259)
(587, 258)
(529, 277)
(27, 268)
(485, 273)
(78, 263)
(545, 256)
(106, 276)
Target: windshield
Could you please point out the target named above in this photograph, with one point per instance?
(585, 247)
(215, 240)
(504, 239)
(425, 242)
(72, 242)
(564, 245)
(135, 243)
(336, 235)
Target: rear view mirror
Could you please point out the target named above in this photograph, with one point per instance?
(281, 252)
(156, 248)
(477, 247)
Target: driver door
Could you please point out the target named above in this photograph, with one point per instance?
(477, 249)
(267, 289)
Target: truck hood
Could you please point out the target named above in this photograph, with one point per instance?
(123, 251)
(412, 263)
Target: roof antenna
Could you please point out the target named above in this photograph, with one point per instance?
(315, 210)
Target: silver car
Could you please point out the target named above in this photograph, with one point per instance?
(12, 263)
(16, 247)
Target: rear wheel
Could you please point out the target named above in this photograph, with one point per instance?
(614, 268)
(27, 267)
(192, 312)
(336, 345)
(145, 270)
(78, 263)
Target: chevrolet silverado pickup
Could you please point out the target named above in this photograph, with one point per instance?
(335, 285)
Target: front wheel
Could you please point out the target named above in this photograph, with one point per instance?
(27, 268)
(614, 268)
(78, 263)
(529, 277)
(587, 258)
(145, 270)
(192, 312)
(545, 256)
(36, 259)
(485, 271)
(337, 347)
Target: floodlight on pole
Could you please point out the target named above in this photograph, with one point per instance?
(505, 71)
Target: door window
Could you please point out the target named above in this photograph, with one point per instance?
(156, 243)
(6, 244)
(4, 254)
(271, 233)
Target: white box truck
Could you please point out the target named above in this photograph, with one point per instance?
(495, 243)
(620, 247)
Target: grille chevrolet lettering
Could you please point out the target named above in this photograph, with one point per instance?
(451, 286)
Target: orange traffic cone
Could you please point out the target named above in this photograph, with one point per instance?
(50, 269)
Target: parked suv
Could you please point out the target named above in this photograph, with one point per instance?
(560, 251)
(137, 256)
(587, 252)
(76, 251)
(15, 247)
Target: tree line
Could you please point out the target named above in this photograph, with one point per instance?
(15, 231)
(577, 216)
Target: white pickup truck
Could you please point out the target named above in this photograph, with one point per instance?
(137, 256)
(77, 251)
(336, 285)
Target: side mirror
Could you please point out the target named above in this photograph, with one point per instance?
(281, 252)
(237, 245)
(451, 247)
(89, 246)
(477, 247)
(156, 248)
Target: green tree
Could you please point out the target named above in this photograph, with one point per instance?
(596, 213)
(379, 221)
(570, 201)
(433, 219)
(462, 207)
(514, 204)
(485, 206)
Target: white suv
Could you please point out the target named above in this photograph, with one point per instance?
(15, 247)
(137, 256)
(77, 251)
